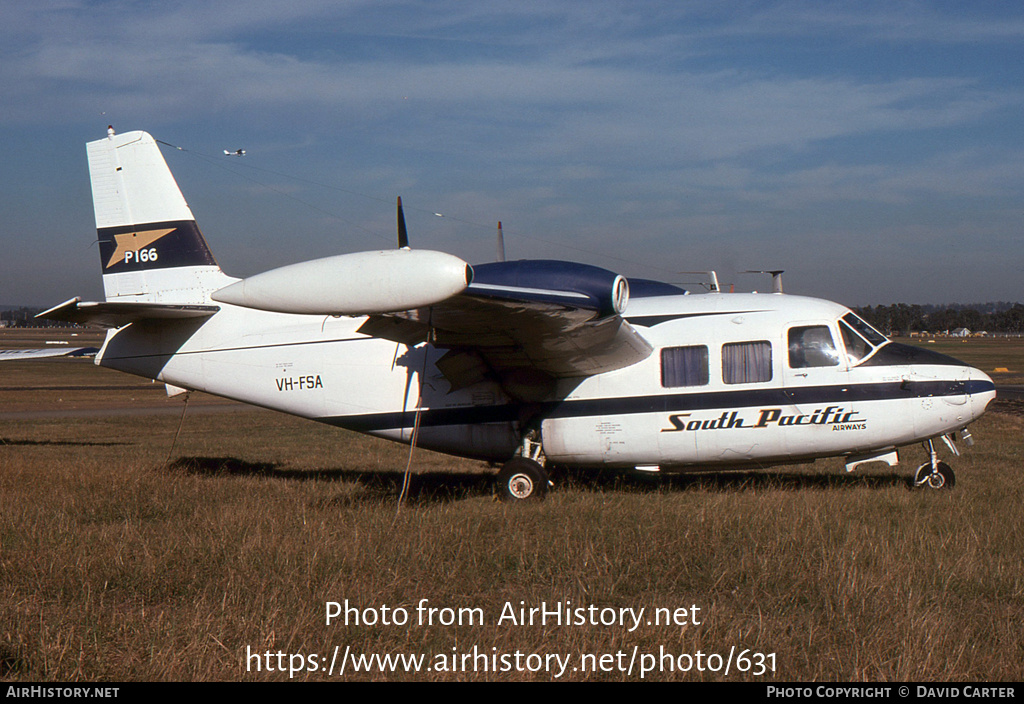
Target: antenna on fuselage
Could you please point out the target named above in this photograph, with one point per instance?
(501, 243)
(712, 284)
(776, 278)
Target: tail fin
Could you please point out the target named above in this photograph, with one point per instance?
(150, 247)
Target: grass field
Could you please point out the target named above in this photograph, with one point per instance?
(986, 353)
(118, 564)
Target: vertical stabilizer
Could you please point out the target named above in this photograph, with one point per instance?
(150, 246)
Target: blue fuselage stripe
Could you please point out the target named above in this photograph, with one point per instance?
(662, 403)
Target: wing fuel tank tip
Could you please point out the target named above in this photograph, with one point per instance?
(360, 283)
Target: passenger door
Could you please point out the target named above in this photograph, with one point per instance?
(817, 382)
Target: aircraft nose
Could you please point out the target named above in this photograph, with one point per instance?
(981, 390)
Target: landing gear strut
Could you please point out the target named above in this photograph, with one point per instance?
(934, 474)
(523, 478)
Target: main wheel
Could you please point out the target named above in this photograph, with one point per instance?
(522, 479)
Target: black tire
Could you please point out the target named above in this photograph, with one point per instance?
(522, 479)
(942, 478)
(947, 475)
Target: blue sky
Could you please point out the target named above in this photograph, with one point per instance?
(875, 151)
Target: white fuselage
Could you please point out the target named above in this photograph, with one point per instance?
(777, 408)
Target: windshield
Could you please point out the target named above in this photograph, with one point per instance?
(860, 338)
(866, 331)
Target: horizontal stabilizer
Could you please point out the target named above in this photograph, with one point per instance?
(13, 355)
(116, 314)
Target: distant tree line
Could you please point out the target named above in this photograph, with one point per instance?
(903, 318)
(20, 316)
(24, 317)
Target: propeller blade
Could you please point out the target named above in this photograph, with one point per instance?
(501, 244)
(403, 235)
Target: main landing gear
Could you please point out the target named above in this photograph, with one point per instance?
(523, 478)
(934, 474)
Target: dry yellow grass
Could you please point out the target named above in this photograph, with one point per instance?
(115, 565)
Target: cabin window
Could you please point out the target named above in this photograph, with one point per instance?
(684, 366)
(812, 346)
(746, 362)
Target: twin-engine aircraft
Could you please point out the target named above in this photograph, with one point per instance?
(530, 364)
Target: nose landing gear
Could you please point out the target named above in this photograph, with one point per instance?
(935, 474)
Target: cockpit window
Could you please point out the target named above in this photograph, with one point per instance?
(857, 348)
(812, 346)
(860, 338)
(874, 337)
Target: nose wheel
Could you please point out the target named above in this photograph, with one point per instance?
(940, 476)
(934, 474)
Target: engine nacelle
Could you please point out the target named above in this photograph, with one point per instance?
(543, 280)
(360, 283)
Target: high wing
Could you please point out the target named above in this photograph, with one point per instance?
(117, 314)
(525, 324)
